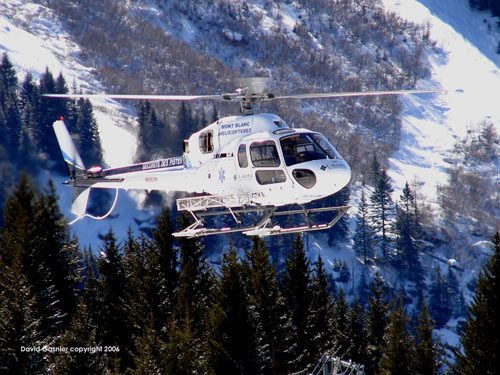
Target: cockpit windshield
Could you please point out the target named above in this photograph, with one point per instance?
(299, 148)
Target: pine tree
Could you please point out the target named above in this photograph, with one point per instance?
(356, 331)
(321, 327)
(268, 309)
(453, 291)
(234, 349)
(186, 124)
(340, 230)
(480, 337)
(163, 271)
(194, 297)
(35, 228)
(59, 253)
(8, 79)
(112, 314)
(81, 333)
(363, 288)
(185, 352)
(19, 227)
(363, 234)
(214, 115)
(196, 281)
(426, 352)
(139, 279)
(295, 287)
(376, 170)
(154, 138)
(29, 102)
(86, 125)
(50, 111)
(377, 320)
(382, 210)
(7, 180)
(408, 232)
(19, 326)
(397, 357)
(145, 119)
(10, 118)
(61, 105)
(341, 340)
(440, 305)
(151, 357)
(28, 94)
(92, 298)
(150, 308)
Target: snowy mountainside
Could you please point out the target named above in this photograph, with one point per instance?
(470, 74)
(35, 40)
(466, 65)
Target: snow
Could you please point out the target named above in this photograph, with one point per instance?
(465, 64)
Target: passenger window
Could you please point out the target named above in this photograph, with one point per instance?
(206, 142)
(267, 177)
(242, 156)
(264, 154)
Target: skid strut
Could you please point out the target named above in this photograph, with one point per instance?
(240, 205)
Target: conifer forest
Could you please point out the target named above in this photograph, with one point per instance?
(145, 302)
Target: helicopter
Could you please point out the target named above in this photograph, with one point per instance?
(250, 167)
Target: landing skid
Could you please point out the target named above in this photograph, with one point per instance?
(263, 217)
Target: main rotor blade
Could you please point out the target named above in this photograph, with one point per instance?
(349, 94)
(134, 97)
(241, 97)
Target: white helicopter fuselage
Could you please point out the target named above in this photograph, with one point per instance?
(247, 155)
(250, 160)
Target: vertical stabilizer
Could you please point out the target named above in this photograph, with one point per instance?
(70, 154)
(76, 169)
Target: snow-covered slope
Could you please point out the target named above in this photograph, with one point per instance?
(466, 64)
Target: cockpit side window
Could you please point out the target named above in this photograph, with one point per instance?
(242, 156)
(206, 142)
(264, 154)
(300, 148)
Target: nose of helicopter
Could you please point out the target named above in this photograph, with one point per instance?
(333, 177)
(322, 177)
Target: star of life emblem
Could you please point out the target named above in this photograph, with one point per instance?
(222, 175)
